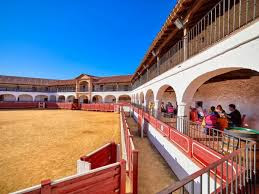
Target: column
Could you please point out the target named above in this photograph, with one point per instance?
(145, 104)
(117, 87)
(182, 117)
(157, 108)
(158, 65)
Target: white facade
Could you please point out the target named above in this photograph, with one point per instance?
(55, 97)
(238, 51)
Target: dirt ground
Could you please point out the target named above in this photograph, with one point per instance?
(41, 144)
(154, 172)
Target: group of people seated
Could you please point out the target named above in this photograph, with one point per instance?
(168, 110)
(217, 117)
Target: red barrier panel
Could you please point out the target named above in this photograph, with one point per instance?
(102, 157)
(111, 108)
(163, 128)
(108, 179)
(153, 121)
(18, 105)
(98, 107)
(94, 107)
(147, 116)
(132, 155)
(181, 140)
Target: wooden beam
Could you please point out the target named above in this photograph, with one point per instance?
(195, 7)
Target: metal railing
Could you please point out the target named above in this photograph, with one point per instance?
(234, 173)
(223, 19)
(218, 140)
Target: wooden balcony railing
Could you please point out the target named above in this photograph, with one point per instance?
(224, 18)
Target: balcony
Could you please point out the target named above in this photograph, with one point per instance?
(46, 90)
(221, 21)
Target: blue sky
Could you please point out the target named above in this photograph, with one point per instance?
(62, 39)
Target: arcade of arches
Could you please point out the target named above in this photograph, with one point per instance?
(239, 87)
(97, 99)
(124, 98)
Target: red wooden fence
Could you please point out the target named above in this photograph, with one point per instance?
(106, 176)
(59, 105)
(132, 155)
(103, 156)
(107, 179)
(18, 105)
(98, 107)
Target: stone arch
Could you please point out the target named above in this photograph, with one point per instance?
(25, 98)
(192, 85)
(41, 98)
(109, 99)
(52, 98)
(97, 99)
(61, 98)
(149, 97)
(137, 99)
(70, 98)
(124, 98)
(83, 86)
(83, 99)
(7, 98)
(166, 93)
(142, 98)
(226, 86)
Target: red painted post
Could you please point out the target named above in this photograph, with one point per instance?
(135, 171)
(46, 187)
(123, 177)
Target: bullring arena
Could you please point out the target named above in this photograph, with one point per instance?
(186, 121)
(47, 143)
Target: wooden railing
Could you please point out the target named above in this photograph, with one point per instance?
(224, 18)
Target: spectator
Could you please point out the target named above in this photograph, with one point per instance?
(170, 109)
(234, 116)
(211, 120)
(220, 111)
(162, 108)
(200, 111)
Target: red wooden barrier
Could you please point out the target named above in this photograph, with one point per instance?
(18, 105)
(59, 105)
(107, 179)
(132, 155)
(103, 156)
(163, 128)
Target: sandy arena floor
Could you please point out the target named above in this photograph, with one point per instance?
(41, 144)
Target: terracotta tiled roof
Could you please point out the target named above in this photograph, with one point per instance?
(33, 81)
(24, 80)
(63, 82)
(115, 79)
(52, 82)
(178, 10)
